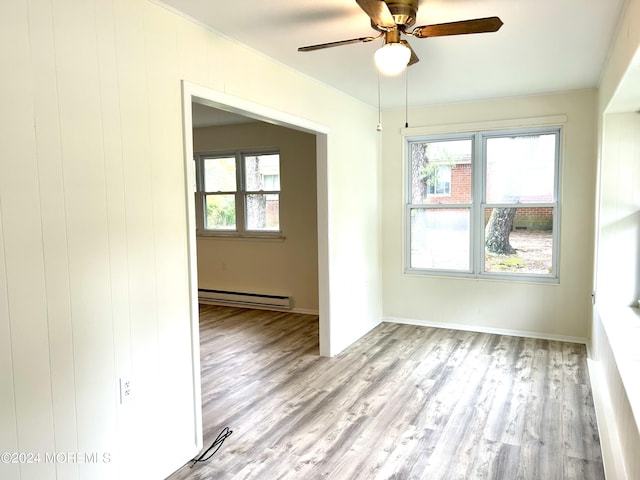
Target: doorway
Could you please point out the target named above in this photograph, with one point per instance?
(256, 212)
(238, 107)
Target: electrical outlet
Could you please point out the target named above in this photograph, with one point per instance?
(125, 389)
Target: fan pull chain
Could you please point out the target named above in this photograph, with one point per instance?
(406, 98)
(379, 126)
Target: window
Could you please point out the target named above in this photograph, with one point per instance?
(439, 180)
(483, 204)
(238, 193)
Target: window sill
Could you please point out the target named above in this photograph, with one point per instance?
(494, 277)
(275, 237)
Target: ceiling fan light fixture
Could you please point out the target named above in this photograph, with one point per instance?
(392, 58)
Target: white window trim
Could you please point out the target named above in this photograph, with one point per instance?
(480, 131)
(511, 124)
(240, 194)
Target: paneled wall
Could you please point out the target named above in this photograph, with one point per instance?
(617, 265)
(93, 243)
(619, 434)
(615, 330)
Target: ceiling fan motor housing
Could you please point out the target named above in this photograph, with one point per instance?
(392, 36)
(404, 12)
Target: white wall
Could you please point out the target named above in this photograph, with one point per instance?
(275, 267)
(615, 333)
(548, 310)
(93, 243)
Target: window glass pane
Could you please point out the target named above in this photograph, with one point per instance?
(519, 240)
(521, 169)
(441, 171)
(263, 212)
(220, 174)
(220, 212)
(440, 238)
(262, 172)
(271, 182)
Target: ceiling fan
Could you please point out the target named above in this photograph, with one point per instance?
(392, 18)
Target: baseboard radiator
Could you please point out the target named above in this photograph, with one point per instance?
(224, 297)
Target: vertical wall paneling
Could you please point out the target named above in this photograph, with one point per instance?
(618, 278)
(167, 210)
(87, 229)
(54, 236)
(116, 215)
(22, 238)
(8, 432)
(93, 249)
(199, 54)
(618, 284)
(618, 249)
(620, 436)
(141, 255)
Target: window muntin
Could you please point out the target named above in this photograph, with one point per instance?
(513, 173)
(238, 193)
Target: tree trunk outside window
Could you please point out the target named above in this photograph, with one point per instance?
(419, 162)
(257, 204)
(498, 230)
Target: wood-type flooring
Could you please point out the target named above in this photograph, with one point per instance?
(404, 402)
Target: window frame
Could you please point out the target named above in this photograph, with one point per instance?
(240, 194)
(478, 202)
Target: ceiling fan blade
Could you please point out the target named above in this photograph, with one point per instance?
(478, 25)
(414, 58)
(320, 46)
(378, 11)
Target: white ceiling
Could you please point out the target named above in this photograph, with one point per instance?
(544, 45)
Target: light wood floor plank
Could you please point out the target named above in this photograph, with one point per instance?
(404, 402)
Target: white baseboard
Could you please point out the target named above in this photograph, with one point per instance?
(481, 329)
(305, 311)
(302, 311)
